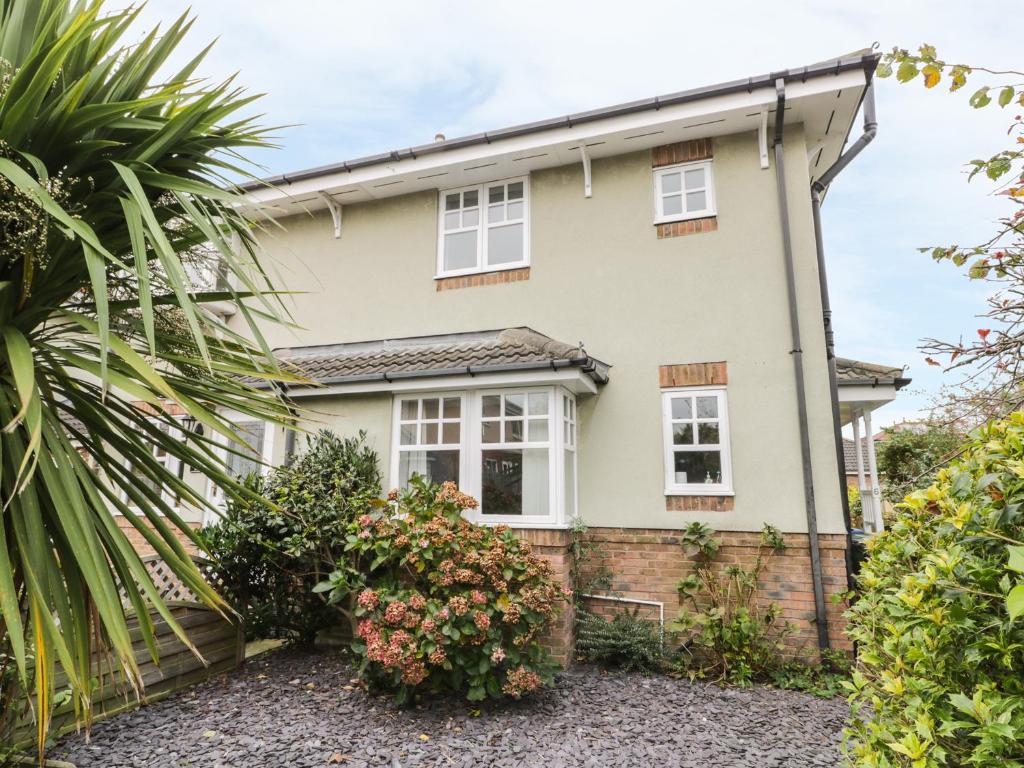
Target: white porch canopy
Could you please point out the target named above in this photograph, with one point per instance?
(863, 388)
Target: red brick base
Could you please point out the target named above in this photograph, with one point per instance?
(139, 541)
(646, 564)
(553, 546)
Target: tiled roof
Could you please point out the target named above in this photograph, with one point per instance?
(850, 455)
(448, 354)
(855, 371)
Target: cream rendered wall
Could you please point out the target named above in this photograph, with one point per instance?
(600, 275)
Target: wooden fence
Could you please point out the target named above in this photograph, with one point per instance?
(220, 642)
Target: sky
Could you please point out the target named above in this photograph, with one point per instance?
(356, 78)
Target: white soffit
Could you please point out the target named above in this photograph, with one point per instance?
(825, 105)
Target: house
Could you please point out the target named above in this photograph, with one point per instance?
(619, 315)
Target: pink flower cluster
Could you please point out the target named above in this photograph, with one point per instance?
(459, 605)
(395, 613)
(417, 602)
(482, 621)
(519, 681)
(368, 599)
(477, 597)
(498, 655)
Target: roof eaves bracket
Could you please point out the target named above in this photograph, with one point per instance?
(588, 190)
(335, 208)
(762, 137)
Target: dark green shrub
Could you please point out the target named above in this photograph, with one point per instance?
(441, 604)
(627, 640)
(939, 679)
(727, 635)
(271, 555)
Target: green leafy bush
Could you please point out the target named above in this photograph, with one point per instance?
(726, 633)
(939, 679)
(440, 604)
(272, 554)
(909, 459)
(627, 640)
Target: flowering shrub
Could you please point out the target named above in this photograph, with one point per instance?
(442, 604)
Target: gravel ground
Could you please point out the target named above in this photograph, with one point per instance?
(298, 710)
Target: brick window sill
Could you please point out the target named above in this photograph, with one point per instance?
(687, 227)
(719, 502)
(498, 277)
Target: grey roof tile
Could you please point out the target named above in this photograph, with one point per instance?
(455, 353)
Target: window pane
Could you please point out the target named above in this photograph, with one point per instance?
(492, 405)
(695, 178)
(451, 202)
(515, 482)
(698, 467)
(682, 434)
(496, 194)
(538, 430)
(452, 407)
(471, 218)
(410, 409)
(436, 466)
(451, 432)
(470, 199)
(696, 201)
(505, 244)
(460, 250)
(514, 431)
(408, 434)
(515, 190)
(707, 434)
(496, 214)
(451, 220)
(430, 406)
(570, 482)
(538, 403)
(672, 205)
(707, 407)
(682, 408)
(515, 211)
(248, 463)
(670, 183)
(429, 434)
(490, 432)
(514, 405)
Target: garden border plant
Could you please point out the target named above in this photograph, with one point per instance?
(439, 604)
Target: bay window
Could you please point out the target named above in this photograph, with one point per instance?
(513, 450)
(483, 228)
(697, 457)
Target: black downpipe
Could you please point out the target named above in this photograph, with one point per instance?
(819, 186)
(820, 615)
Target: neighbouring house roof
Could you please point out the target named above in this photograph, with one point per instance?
(850, 455)
(857, 372)
(509, 349)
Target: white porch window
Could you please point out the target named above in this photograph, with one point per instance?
(684, 191)
(697, 460)
(430, 438)
(870, 493)
(513, 450)
(171, 463)
(244, 459)
(483, 228)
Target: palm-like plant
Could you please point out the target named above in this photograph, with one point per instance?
(114, 196)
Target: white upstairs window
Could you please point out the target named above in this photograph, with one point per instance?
(684, 191)
(697, 460)
(484, 228)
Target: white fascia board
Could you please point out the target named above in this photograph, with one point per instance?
(572, 379)
(869, 395)
(377, 180)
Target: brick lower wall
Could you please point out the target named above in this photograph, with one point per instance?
(646, 564)
(553, 546)
(139, 541)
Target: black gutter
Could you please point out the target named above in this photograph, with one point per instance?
(655, 103)
(817, 187)
(820, 614)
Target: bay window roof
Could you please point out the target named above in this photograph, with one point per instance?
(454, 354)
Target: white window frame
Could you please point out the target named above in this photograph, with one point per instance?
(266, 450)
(709, 192)
(482, 227)
(396, 434)
(472, 447)
(672, 488)
(172, 463)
